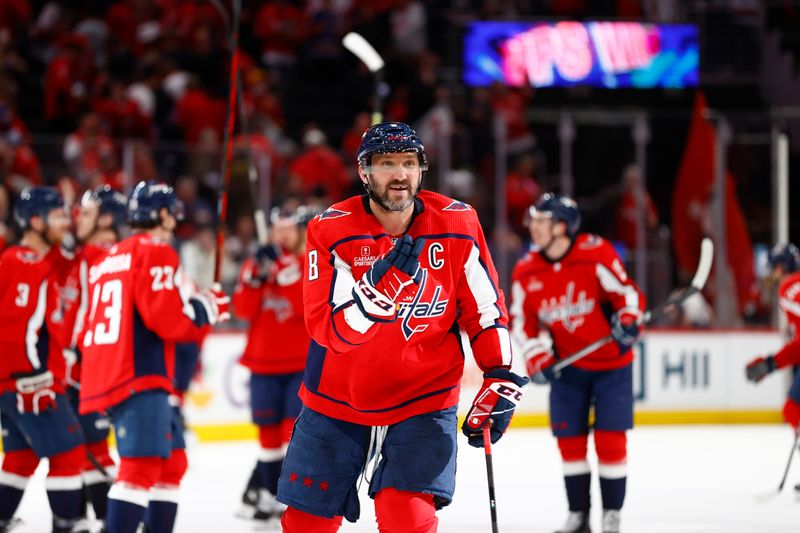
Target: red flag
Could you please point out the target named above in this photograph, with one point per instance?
(690, 205)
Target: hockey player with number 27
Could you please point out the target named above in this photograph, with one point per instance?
(136, 314)
(567, 293)
(390, 279)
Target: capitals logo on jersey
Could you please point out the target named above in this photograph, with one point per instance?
(332, 213)
(566, 309)
(414, 312)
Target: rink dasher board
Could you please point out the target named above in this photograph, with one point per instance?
(680, 377)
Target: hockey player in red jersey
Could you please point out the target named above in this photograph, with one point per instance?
(136, 314)
(35, 414)
(390, 280)
(99, 225)
(270, 296)
(570, 291)
(785, 262)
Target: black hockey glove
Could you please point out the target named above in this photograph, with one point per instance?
(759, 368)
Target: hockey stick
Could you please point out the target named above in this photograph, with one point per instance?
(768, 496)
(487, 447)
(222, 204)
(698, 282)
(365, 52)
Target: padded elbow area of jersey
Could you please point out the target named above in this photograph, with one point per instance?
(141, 472)
(174, 468)
(297, 521)
(611, 446)
(270, 437)
(68, 463)
(21, 463)
(573, 448)
(400, 511)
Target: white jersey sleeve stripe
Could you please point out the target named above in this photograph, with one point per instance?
(612, 284)
(517, 313)
(789, 306)
(482, 289)
(343, 282)
(505, 345)
(34, 326)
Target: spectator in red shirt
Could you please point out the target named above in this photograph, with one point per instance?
(626, 219)
(197, 110)
(352, 138)
(121, 113)
(19, 167)
(319, 171)
(66, 83)
(84, 148)
(522, 191)
(281, 27)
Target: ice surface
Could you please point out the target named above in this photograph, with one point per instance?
(698, 479)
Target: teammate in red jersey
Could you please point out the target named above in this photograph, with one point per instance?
(390, 280)
(100, 224)
(785, 262)
(35, 414)
(570, 291)
(136, 314)
(270, 296)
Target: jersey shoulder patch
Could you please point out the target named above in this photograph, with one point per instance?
(457, 205)
(332, 213)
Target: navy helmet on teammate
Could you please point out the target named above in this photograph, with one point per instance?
(559, 208)
(786, 256)
(147, 200)
(36, 201)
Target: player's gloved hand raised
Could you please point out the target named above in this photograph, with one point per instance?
(494, 404)
(791, 413)
(759, 368)
(211, 306)
(626, 328)
(389, 280)
(34, 392)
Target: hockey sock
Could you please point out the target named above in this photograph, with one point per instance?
(162, 510)
(577, 474)
(297, 521)
(253, 484)
(400, 511)
(270, 457)
(612, 455)
(65, 487)
(18, 467)
(269, 472)
(97, 483)
(126, 508)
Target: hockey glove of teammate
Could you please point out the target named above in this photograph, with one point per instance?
(759, 368)
(791, 413)
(390, 279)
(211, 306)
(494, 404)
(540, 368)
(625, 329)
(266, 256)
(34, 392)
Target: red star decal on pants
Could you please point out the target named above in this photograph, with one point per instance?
(324, 485)
(293, 477)
(307, 481)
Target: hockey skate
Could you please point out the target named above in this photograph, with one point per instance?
(269, 512)
(610, 520)
(577, 522)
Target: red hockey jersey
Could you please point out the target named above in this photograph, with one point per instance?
(573, 300)
(382, 373)
(136, 313)
(25, 324)
(277, 342)
(789, 302)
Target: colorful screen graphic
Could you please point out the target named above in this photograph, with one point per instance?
(597, 54)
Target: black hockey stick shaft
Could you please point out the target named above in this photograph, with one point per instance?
(487, 447)
(99, 467)
(789, 461)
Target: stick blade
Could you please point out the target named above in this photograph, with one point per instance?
(364, 51)
(704, 265)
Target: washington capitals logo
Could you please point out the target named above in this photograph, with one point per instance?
(570, 313)
(457, 206)
(420, 310)
(331, 213)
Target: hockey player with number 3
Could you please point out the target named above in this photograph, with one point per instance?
(35, 414)
(136, 314)
(567, 293)
(390, 279)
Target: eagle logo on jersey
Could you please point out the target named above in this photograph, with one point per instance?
(28, 256)
(564, 309)
(421, 310)
(332, 213)
(455, 205)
